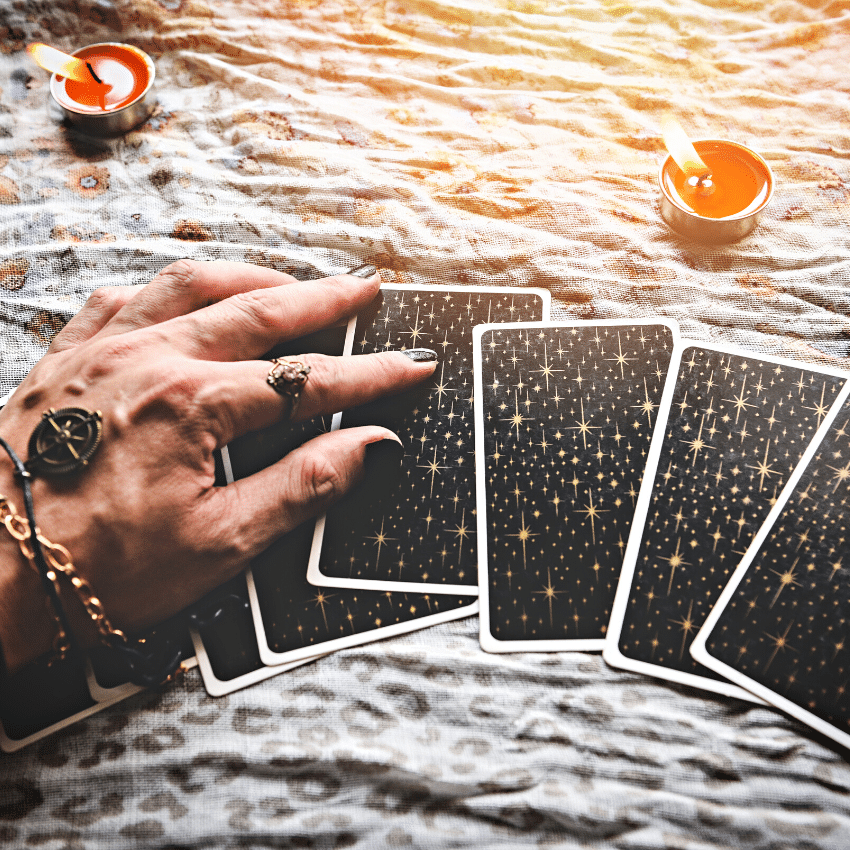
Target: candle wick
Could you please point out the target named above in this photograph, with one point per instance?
(91, 71)
(704, 185)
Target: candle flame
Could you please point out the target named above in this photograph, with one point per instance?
(59, 63)
(681, 149)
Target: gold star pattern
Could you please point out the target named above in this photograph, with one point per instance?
(422, 529)
(560, 494)
(798, 640)
(759, 422)
(295, 613)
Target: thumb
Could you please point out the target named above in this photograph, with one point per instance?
(270, 503)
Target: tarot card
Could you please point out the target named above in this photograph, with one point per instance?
(732, 427)
(296, 620)
(780, 627)
(564, 418)
(421, 536)
(43, 698)
(107, 682)
(227, 650)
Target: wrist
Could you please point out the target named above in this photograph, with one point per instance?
(26, 625)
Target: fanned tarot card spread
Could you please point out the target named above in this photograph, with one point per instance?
(227, 650)
(293, 620)
(421, 536)
(730, 433)
(781, 627)
(296, 620)
(564, 417)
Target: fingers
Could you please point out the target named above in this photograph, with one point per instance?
(248, 324)
(188, 285)
(264, 506)
(101, 306)
(241, 400)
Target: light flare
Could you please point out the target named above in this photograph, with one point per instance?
(60, 63)
(680, 147)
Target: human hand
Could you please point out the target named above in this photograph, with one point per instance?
(174, 368)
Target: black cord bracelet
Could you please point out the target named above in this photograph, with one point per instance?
(148, 662)
(138, 666)
(24, 477)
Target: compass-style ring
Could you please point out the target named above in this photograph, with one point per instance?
(64, 440)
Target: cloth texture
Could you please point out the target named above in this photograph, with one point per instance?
(512, 142)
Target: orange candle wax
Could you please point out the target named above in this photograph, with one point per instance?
(123, 72)
(116, 96)
(740, 182)
(729, 206)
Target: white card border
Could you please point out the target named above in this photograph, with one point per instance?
(101, 694)
(488, 641)
(611, 652)
(10, 745)
(272, 658)
(221, 687)
(109, 697)
(127, 689)
(314, 574)
(308, 653)
(698, 648)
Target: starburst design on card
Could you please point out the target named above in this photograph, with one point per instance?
(798, 643)
(423, 529)
(568, 414)
(738, 426)
(297, 614)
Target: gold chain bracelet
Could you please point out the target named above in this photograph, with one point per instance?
(59, 561)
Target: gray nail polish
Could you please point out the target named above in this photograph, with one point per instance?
(382, 459)
(365, 271)
(383, 472)
(421, 355)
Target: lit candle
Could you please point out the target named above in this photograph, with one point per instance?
(712, 190)
(104, 89)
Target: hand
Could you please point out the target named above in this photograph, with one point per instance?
(174, 368)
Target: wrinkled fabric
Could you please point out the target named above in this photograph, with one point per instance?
(447, 141)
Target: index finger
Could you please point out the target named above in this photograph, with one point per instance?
(187, 285)
(248, 324)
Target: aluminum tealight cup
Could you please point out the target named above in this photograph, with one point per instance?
(702, 228)
(112, 122)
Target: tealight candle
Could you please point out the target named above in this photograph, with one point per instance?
(721, 204)
(114, 92)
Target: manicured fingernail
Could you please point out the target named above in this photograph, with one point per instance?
(421, 355)
(365, 271)
(382, 466)
(386, 452)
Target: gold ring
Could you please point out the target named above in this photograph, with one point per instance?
(287, 378)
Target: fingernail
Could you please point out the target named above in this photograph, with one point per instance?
(386, 452)
(365, 271)
(382, 464)
(421, 355)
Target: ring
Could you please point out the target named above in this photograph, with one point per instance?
(287, 378)
(64, 440)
